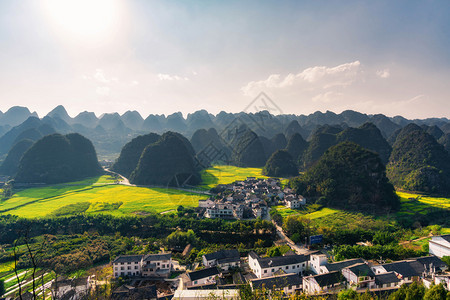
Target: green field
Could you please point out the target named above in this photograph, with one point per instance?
(227, 174)
(95, 195)
(413, 203)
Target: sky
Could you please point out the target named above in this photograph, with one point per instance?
(160, 57)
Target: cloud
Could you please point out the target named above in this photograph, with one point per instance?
(103, 90)
(384, 73)
(171, 77)
(318, 77)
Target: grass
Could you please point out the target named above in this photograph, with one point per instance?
(95, 195)
(221, 174)
(6, 266)
(418, 203)
(321, 213)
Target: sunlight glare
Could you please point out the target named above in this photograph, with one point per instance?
(83, 18)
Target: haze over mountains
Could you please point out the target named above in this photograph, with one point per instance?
(281, 143)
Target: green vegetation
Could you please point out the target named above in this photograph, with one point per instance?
(419, 163)
(296, 146)
(57, 158)
(168, 162)
(100, 195)
(249, 151)
(223, 174)
(131, 152)
(11, 163)
(350, 177)
(280, 164)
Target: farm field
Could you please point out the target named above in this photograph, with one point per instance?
(414, 203)
(223, 174)
(95, 195)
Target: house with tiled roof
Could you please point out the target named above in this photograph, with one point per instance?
(287, 283)
(151, 265)
(268, 266)
(224, 259)
(331, 282)
(359, 275)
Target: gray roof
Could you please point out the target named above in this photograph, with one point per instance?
(223, 255)
(405, 268)
(127, 258)
(361, 269)
(277, 261)
(329, 278)
(386, 278)
(196, 275)
(435, 261)
(277, 282)
(159, 256)
(337, 266)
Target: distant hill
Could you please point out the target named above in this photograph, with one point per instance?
(16, 115)
(280, 164)
(348, 176)
(11, 163)
(167, 162)
(131, 153)
(58, 158)
(419, 163)
(296, 146)
(248, 151)
(33, 128)
(367, 136)
(133, 120)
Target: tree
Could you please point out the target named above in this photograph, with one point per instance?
(446, 259)
(436, 292)
(414, 291)
(2, 288)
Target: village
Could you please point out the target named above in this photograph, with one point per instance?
(248, 199)
(300, 270)
(222, 273)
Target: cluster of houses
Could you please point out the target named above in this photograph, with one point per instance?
(248, 199)
(311, 273)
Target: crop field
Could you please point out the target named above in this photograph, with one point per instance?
(97, 195)
(222, 174)
(417, 203)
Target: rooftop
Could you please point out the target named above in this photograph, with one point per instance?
(127, 258)
(386, 278)
(277, 282)
(208, 272)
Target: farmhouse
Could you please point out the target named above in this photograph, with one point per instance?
(386, 280)
(359, 275)
(324, 283)
(201, 277)
(288, 283)
(152, 265)
(268, 266)
(440, 245)
(224, 259)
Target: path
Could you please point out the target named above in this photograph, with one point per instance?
(15, 277)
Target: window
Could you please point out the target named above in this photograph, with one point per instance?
(287, 267)
(195, 282)
(121, 268)
(273, 270)
(129, 268)
(265, 271)
(135, 267)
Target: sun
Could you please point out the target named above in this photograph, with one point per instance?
(83, 18)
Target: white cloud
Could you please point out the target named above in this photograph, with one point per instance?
(103, 90)
(318, 77)
(384, 73)
(99, 75)
(171, 77)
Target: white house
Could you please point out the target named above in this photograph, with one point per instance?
(202, 277)
(294, 202)
(268, 266)
(288, 283)
(224, 259)
(440, 245)
(154, 265)
(127, 265)
(324, 283)
(359, 276)
(158, 265)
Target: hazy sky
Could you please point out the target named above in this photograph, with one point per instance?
(390, 57)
